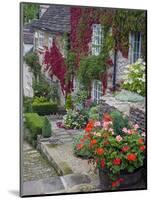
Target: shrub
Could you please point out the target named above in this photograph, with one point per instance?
(41, 88)
(81, 146)
(34, 123)
(40, 99)
(27, 104)
(119, 122)
(44, 108)
(134, 79)
(32, 61)
(75, 119)
(69, 104)
(94, 113)
(46, 130)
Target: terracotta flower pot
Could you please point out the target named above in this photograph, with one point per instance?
(129, 179)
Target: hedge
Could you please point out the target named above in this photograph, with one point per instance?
(46, 130)
(44, 108)
(35, 124)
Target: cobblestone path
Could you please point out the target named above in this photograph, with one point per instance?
(35, 167)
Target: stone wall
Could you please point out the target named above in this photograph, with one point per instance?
(138, 116)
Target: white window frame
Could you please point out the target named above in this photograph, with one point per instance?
(97, 39)
(50, 41)
(96, 91)
(41, 39)
(135, 55)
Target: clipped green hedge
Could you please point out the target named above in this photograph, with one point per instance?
(35, 124)
(44, 108)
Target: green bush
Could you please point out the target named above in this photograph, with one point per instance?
(34, 123)
(46, 130)
(84, 151)
(94, 113)
(41, 88)
(69, 104)
(44, 108)
(40, 99)
(134, 79)
(27, 104)
(119, 122)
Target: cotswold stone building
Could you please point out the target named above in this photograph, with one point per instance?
(55, 32)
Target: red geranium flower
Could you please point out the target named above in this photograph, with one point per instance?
(142, 148)
(107, 117)
(100, 151)
(117, 161)
(115, 184)
(131, 157)
(140, 141)
(125, 148)
(79, 146)
(93, 142)
(103, 163)
(82, 140)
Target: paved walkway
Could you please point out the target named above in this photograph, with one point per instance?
(35, 167)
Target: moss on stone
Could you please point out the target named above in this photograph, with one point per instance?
(65, 168)
(52, 145)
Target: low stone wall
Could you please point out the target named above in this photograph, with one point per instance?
(138, 116)
(106, 108)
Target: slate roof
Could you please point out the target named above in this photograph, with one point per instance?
(55, 19)
(28, 33)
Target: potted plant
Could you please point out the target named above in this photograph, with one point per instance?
(119, 158)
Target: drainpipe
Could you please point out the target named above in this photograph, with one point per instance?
(114, 66)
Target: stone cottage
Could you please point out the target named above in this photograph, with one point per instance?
(58, 21)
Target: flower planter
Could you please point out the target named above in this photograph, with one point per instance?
(129, 179)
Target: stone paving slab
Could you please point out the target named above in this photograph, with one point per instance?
(43, 186)
(64, 154)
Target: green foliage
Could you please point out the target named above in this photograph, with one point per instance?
(27, 104)
(80, 97)
(69, 104)
(92, 66)
(54, 92)
(41, 88)
(39, 100)
(32, 61)
(119, 122)
(34, 123)
(94, 113)
(44, 108)
(46, 130)
(30, 12)
(75, 119)
(126, 21)
(71, 65)
(84, 151)
(128, 96)
(134, 79)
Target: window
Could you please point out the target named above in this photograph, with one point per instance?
(96, 90)
(50, 40)
(97, 39)
(135, 46)
(41, 39)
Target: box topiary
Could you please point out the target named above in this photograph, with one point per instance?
(46, 130)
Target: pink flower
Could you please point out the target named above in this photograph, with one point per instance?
(118, 138)
(136, 126)
(129, 131)
(124, 130)
(96, 124)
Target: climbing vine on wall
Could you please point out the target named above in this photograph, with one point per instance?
(116, 21)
